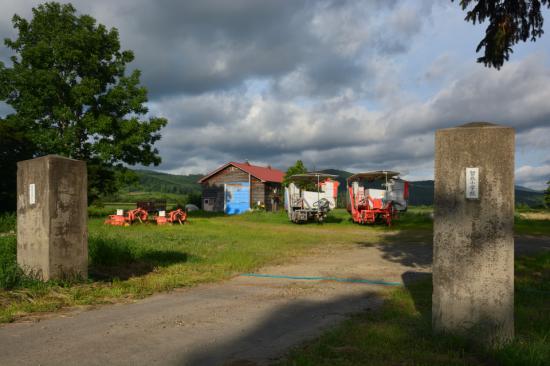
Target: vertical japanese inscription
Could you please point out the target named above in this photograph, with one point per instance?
(472, 183)
(32, 194)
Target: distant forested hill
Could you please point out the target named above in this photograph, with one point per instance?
(151, 181)
(342, 176)
(422, 192)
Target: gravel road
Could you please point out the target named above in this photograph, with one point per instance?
(242, 321)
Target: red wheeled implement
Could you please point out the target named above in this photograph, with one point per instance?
(137, 214)
(370, 205)
(173, 216)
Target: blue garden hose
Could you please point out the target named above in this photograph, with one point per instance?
(357, 280)
(315, 278)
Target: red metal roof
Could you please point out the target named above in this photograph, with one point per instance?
(265, 174)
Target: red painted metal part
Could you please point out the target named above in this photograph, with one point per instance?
(116, 220)
(137, 214)
(370, 210)
(173, 216)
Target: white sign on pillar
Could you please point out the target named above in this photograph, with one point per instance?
(472, 183)
(32, 194)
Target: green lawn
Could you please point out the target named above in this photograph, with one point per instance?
(133, 262)
(400, 332)
(136, 261)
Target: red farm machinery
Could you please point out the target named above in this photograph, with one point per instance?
(174, 216)
(377, 197)
(128, 218)
(146, 210)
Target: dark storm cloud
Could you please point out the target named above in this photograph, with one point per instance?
(194, 47)
(207, 46)
(341, 133)
(323, 81)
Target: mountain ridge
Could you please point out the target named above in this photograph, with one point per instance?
(421, 192)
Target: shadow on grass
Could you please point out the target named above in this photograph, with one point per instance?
(531, 345)
(419, 285)
(333, 219)
(410, 248)
(141, 265)
(122, 259)
(205, 214)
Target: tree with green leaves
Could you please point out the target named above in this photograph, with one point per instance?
(14, 147)
(70, 94)
(297, 168)
(510, 21)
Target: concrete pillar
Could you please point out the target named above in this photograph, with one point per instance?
(52, 234)
(473, 269)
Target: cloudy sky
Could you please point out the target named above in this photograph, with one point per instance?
(353, 85)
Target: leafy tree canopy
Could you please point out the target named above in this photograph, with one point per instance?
(297, 168)
(510, 21)
(14, 147)
(70, 94)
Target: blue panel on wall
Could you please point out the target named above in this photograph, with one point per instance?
(237, 197)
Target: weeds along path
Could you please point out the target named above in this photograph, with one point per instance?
(244, 320)
(250, 318)
(241, 319)
(128, 263)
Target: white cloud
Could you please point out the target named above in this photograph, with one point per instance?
(336, 83)
(534, 177)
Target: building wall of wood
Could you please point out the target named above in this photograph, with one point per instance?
(272, 190)
(256, 192)
(213, 193)
(212, 188)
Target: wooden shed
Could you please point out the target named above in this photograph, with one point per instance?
(235, 187)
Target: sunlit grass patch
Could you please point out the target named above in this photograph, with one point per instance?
(531, 226)
(133, 262)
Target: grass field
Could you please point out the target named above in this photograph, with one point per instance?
(400, 333)
(133, 262)
(127, 263)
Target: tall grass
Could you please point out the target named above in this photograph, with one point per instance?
(107, 252)
(531, 226)
(10, 274)
(136, 261)
(132, 262)
(8, 222)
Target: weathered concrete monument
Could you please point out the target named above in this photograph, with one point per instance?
(52, 234)
(473, 269)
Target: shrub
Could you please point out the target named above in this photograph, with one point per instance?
(10, 273)
(8, 222)
(103, 212)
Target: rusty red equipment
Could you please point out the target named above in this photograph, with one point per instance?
(137, 214)
(368, 205)
(173, 216)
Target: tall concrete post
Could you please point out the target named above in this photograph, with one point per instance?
(52, 234)
(473, 269)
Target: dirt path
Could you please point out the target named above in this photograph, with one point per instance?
(242, 321)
